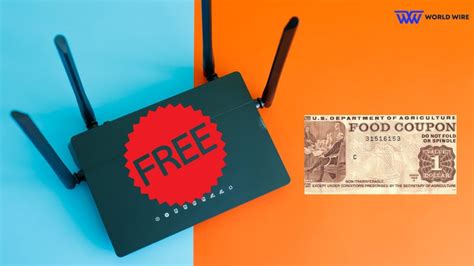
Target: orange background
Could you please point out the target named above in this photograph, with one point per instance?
(347, 57)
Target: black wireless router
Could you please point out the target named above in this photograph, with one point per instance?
(178, 162)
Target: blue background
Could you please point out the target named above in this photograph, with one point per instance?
(129, 55)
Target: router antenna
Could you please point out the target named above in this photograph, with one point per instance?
(208, 55)
(81, 97)
(280, 57)
(68, 179)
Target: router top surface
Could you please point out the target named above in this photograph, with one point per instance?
(175, 163)
(208, 164)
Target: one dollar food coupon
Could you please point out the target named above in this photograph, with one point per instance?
(380, 154)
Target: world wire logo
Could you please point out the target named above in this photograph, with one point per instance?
(409, 17)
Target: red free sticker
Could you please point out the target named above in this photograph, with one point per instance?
(175, 154)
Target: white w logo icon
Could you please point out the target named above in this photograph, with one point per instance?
(405, 17)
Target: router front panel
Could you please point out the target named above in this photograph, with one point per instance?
(132, 218)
